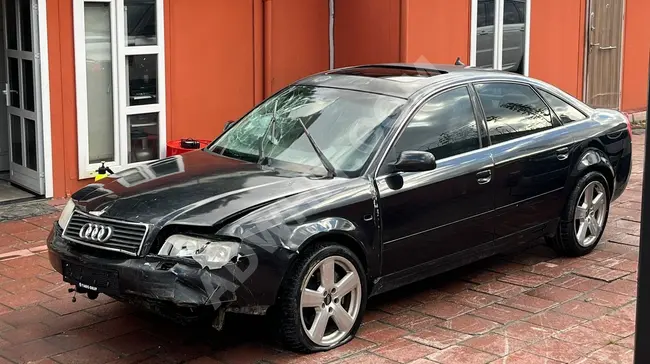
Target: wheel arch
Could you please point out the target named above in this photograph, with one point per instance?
(343, 239)
(563, 238)
(335, 236)
(292, 330)
(593, 158)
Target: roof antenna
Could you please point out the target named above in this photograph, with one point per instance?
(459, 62)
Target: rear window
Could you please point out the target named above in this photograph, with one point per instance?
(562, 109)
(513, 110)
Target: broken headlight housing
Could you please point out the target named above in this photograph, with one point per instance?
(66, 214)
(212, 254)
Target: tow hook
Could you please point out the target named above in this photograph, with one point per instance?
(76, 289)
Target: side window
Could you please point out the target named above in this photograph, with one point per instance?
(444, 126)
(564, 111)
(512, 111)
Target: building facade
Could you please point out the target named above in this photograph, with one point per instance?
(113, 80)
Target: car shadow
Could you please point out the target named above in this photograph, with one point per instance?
(246, 332)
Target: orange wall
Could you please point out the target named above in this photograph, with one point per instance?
(366, 31)
(435, 31)
(206, 86)
(297, 40)
(214, 76)
(557, 41)
(62, 97)
(635, 55)
(56, 99)
(217, 66)
(210, 71)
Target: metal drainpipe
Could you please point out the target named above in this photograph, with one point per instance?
(332, 34)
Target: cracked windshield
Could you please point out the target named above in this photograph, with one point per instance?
(345, 125)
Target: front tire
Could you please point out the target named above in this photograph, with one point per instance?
(322, 300)
(584, 218)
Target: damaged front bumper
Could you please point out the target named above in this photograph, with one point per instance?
(179, 286)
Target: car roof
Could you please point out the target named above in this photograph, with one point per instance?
(397, 79)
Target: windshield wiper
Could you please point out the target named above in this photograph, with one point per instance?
(331, 171)
(262, 157)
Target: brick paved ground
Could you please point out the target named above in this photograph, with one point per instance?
(527, 308)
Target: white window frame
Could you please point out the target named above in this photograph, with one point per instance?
(121, 111)
(498, 31)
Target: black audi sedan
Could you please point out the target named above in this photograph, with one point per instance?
(344, 185)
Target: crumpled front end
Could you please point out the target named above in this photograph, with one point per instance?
(179, 288)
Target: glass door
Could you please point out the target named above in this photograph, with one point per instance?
(500, 39)
(21, 96)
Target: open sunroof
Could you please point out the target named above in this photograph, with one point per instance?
(389, 71)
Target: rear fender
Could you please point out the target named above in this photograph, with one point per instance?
(592, 159)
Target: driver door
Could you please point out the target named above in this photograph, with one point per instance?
(446, 210)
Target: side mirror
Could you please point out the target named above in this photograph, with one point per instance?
(415, 161)
(228, 125)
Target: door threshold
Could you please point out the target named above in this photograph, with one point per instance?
(11, 193)
(21, 200)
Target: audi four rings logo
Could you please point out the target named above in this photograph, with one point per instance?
(95, 232)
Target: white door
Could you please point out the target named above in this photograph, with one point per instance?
(22, 96)
(4, 124)
(500, 34)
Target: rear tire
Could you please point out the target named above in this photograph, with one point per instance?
(322, 300)
(584, 218)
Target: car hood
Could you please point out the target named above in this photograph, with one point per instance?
(197, 188)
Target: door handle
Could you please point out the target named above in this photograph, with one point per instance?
(562, 153)
(607, 48)
(484, 177)
(7, 92)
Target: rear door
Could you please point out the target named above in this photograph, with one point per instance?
(436, 213)
(531, 154)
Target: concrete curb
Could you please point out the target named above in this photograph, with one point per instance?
(637, 116)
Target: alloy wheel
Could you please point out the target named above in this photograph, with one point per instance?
(590, 214)
(330, 300)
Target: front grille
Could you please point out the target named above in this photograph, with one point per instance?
(125, 237)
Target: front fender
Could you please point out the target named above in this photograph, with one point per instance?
(310, 231)
(280, 231)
